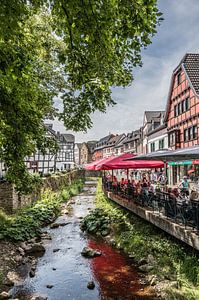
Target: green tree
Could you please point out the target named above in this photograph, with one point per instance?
(78, 48)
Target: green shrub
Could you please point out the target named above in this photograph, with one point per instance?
(27, 222)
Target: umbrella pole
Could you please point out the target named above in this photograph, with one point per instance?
(112, 175)
(127, 174)
(165, 172)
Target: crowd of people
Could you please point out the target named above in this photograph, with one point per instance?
(152, 182)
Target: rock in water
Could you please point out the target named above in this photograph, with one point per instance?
(35, 249)
(90, 253)
(4, 295)
(32, 273)
(11, 279)
(49, 286)
(91, 285)
(54, 225)
(56, 250)
(39, 298)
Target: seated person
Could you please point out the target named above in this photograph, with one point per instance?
(184, 186)
(144, 186)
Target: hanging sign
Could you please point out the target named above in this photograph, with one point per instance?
(186, 162)
(180, 163)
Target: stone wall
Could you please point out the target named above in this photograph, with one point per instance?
(10, 200)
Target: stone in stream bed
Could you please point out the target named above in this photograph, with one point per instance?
(64, 223)
(4, 295)
(32, 273)
(49, 286)
(91, 285)
(11, 278)
(39, 298)
(35, 249)
(54, 225)
(56, 250)
(90, 253)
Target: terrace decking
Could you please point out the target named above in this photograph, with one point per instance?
(184, 233)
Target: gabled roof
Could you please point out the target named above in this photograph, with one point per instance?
(68, 138)
(120, 140)
(132, 136)
(153, 115)
(103, 141)
(190, 65)
(78, 145)
(114, 140)
(91, 146)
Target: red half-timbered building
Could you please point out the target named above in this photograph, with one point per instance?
(182, 111)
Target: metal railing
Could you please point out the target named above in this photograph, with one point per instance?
(178, 209)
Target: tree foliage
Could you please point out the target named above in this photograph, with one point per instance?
(79, 48)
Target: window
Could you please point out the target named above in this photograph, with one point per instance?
(171, 139)
(186, 135)
(174, 137)
(161, 144)
(152, 147)
(191, 133)
(175, 111)
(187, 103)
(195, 132)
(179, 78)
(156, 124)
(179, 109)
(183, 109)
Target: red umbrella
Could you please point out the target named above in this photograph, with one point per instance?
(92, 165)
(120, 163)
(111, 162)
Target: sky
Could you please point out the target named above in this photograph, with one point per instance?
(177, 35)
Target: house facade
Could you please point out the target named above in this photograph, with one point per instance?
(86, 152)
(39, 162)
(77, 152)
(152, 120)
(99, 147)
(131, 142)
(109, 149)
(182, 111)
(157, 139)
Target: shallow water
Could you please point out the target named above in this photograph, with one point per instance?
(114, 276)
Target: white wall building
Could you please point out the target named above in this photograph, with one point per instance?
(158, 139)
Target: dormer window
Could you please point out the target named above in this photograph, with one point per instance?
(179, 78)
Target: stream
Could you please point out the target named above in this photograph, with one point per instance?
(64, 274)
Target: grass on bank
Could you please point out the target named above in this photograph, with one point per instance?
(173, 261)
(27, 222)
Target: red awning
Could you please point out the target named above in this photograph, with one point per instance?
(92, 165)
(120, 163)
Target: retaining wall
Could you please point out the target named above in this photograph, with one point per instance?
(187, 235)
(11, 200)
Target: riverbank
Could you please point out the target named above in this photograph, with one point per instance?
(21, 232)
(170, 267)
